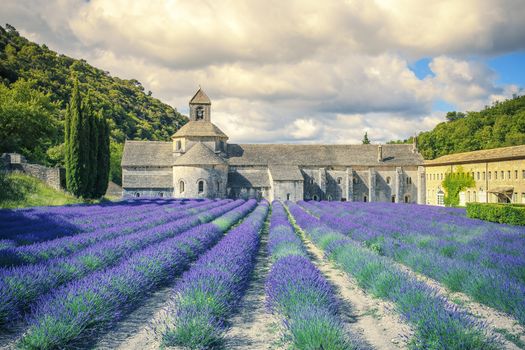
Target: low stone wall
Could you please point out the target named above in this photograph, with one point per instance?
(54, 177)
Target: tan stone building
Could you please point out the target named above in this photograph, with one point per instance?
(499, 175)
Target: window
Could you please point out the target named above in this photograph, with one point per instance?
(181, 187)
(440, 198)
(199, 113)
(508, 175)
(502, 175)
(523, 198)
(515, 197)
(409, 180)
(355, 180)
(468, 196)
(407, 198)
(218, 186)
(365, 198)
(495, 175)
(339, 180)
(483, 175)
(329, 197)
(161, 194)
(393, 199)
(287, 196)
(388, 180)
(178, 145)
(311, 181)
(200, 184)
(137, 194)
(478, 175)
(343, 199)
(516, 174)
(474, 199)
(523, 174)
(315, 197)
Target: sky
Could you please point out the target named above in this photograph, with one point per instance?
(298, 71)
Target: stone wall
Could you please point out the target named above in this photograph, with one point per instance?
(288, 190)
(53, 177)
(215, 180)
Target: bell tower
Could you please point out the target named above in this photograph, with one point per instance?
(200, 107)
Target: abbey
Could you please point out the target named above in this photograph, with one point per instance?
(200, 163)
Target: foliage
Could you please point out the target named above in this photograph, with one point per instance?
(115, 173)
(366, 141)
(502, 124)
(454, 183)
(28, 120)
(132, 113)
(502, 213)
(20, 191)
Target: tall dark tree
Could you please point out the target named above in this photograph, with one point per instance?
(73, 136)
(92, 143)
(366, 141)
(103, 156)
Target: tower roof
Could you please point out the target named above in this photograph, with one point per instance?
(200, 98)
(199, 128)
(199, 154)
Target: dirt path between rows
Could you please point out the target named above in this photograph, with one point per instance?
(374, 320)
(252, 326)
(497, 322)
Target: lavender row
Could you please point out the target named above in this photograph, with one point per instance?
(438, 323)
(209, 291)
(49, 226)
(298, 292)
(21, 286)
(29, 254)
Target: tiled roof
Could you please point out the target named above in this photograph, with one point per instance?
(147, 153)
(246, 178)
(514, 152)
(200, 98)
(199, 154)
(285, 172)
(199, 128)
(321, 155)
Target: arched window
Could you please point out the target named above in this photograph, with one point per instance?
(199, 113)
(409, 180)
(339, 180)
(407, 198)
(181, 186)
(315, 197)
(287, 196)
(137, 194)
(161, 194)
(355, 180)
(388, 180)
(468, 196)
(218, 186)
(201, 186)
(178, 145)
(393, 199)
(474, 199)
(329, 197)
(311, 181)
(365, 198)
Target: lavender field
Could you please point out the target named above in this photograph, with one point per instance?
(236, 274)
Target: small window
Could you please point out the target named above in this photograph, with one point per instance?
(388, 180)
(407, 199)
(137, 194)
(178, 145)
(311, 181)
(201, 186)
(365, 198)
(495, 175)
(393, 199)
(502, 175)
(355, 180)
(181, 187)
(315, 197)
(478, 175)
(161, 194)
(468, 196)
(409, 180)
(199, 113)
(484, 176)
(287, 196)
(474, 196)
(523, 174)
(516, 174)
(329, 197)
(440, 198)
(508, 175)
(339, 180)
(218, 186)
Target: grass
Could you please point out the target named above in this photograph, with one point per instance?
(20, 191)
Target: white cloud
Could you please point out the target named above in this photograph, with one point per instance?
(293, 71)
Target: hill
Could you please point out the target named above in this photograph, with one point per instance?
(36, 84)
(499, 125)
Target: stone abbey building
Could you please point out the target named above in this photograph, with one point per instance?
(200, 162)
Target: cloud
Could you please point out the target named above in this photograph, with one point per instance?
(292, 71)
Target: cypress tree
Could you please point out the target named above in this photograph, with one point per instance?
(84, 149)
(103, 157)
(72, 139)
(92, 143)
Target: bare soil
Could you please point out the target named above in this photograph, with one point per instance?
(372, 319)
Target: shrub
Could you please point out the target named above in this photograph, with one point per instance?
(502, 213)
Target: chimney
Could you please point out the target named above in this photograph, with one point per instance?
(379, 153)
(414, 144)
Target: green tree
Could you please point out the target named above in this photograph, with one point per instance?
(454, 183)
(27, 120)
(72, 139)
(103, 156)
(92, 142)
(366, 141)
